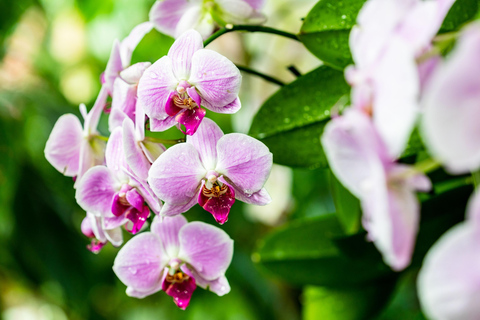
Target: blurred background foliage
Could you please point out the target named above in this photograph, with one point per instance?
(52, 54)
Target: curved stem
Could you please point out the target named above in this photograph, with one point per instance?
(248, 28)
(427, 165)
(261, 75)
(165, 141)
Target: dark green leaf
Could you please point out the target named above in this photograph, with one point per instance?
(347, 207)
(291, 121)
(461, 12)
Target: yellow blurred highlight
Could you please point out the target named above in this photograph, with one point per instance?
(79, 84)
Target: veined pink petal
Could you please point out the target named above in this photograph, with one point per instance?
(93, 117)
(244, 160)
(196, 18)
(181, 53)
(239, 12)
(191, 119)
(216, 78)
(115, 154)
(96, 190)
(192, 93)
(137, 219)
(134, 155)
(92, 153)
(128, 45)
(155, 86)
(152, 150)
(131, 292)
(205, 141)
(230, 108)
(172, 210)
(116, 118)
(114, 66)
(132, 74)
(259, 198)
(176, 175)
(220, 286)
(63, 145)
(139, 264)
(166, 14)
(206, 248)
(167, 229)
(124, 99)
(162, 125)
(448, 281)
(450, 122)
(170, 108)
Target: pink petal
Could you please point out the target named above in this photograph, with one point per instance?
(220, 286)
(152, 150)
(115, 153)
(63, 145)
(134, 156)
(162, 125)
(473, 209)
(137, 217)
(155, 86)
(205, 141)
(192, 93)
(244, 160)
(206, 248)
(220, 206)
(191, 119)
(167, 229)
(450, 123)
(216, 78)
(116, 118)
(124, 99)
(170, 108)
(139, 264)
(176, 175)
(132, 74)
(448, 281)
(92, 153)
(166, 14)
(96, 190)
(181, 53)
(239, 12)
(230, 108)
(128, 45)
(196, 18)
(114, 66)
(172, 210)
(181, 292)
(131, 292)
(259, 198)
(256, 4)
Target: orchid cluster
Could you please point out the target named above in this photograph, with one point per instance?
(123, 179)
(399, 74)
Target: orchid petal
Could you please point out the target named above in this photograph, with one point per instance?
(93, 117)
(134, 155)
(137, 218)
(132, 74)
(96, 190)
(246, 161)
(162, 125)
(114, 236)
(256, 4)
(239, 12)
(116, 118)
(205, 142)
(139, 264)
(195, 18)
(172, 210)
(152, 150)
(63, 145)
(191, 119)
(155, 86)
(115, 154)
(181, 292)
(166, 14)
(114, 67)
(176, 175)
(206, 248)
(131, 292)
(230, 108)
(216, 78)
(170, 108)
(220, 286)
(167, 229)
(259, 198)
(219, 206)
(181, 53)
(124, 99)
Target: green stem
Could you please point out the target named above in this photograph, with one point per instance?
(165, 141)
(261, 75)
(476, 178)
(427, 165)
(229, 28)
(102, 138)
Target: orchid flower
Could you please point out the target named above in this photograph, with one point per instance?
(211, 169)
(101, 230)
(389, 36)
(451, 120)
(175, 87)
(114, 191)
(73, 149)
(175, 257)
(360, 160)
(449, 281)
(174, 17)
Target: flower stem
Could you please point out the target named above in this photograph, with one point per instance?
(229, 28)
(476, 178)
(165, 141)
(261, 75)
(102, 137)
(427, 165)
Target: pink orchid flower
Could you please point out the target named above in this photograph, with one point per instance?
(388, 37)
(175, 87)
(359, 159)
(73, 149)
(211, 169)
(175, 257)
(115, 192)
(451, 102)
(174, 17)
(101, 230)
(449, 281)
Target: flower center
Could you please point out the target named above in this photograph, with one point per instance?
(177, 277)
(215, 191)
(182, 100)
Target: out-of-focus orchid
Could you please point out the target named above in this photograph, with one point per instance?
(175, 87)
(115, 189)
(388, 37)
(449, 281)
(211, 169)
(360, 160)
(451, 122)
(73, 150)
(175, 257)
(101, 230)
(174, 17)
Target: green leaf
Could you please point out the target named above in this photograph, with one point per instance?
(461, 12)
(347, 206)
(291, 121)
(311, 251)
(346, 303)
(326, 29)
